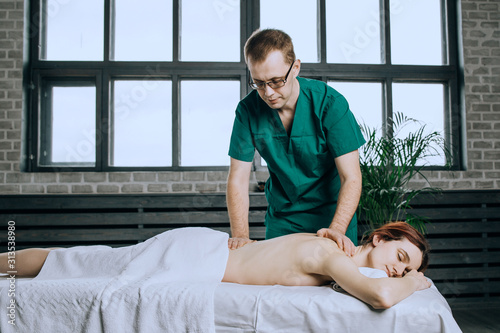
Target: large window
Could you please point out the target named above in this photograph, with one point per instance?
(152, 85)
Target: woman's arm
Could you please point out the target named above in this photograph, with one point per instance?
(381, 293)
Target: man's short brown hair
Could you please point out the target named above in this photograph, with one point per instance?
(263, 42)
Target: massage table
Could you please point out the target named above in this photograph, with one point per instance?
(273, 309)
(162, 285)
(321, 309)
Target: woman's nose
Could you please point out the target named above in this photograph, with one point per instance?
(399, 269)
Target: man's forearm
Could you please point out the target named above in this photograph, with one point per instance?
(347, 204)
(238, 207)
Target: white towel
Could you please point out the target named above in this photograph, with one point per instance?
(165, 284)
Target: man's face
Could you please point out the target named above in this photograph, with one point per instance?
(274, 67)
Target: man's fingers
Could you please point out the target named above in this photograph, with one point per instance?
(343, 242)
(340, 242)
(325, 232)
(351, 249)
(236, 243)
(233, 243)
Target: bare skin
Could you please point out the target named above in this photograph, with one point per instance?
(308, 260)
(301, 260)
(25, 263)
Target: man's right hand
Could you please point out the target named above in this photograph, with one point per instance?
(237, 242)
(343, 242)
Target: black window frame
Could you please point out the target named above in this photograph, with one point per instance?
(104, 72)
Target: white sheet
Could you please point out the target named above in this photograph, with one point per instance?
(161, 303)
(57, 306)
(143, 288)
(321, 309)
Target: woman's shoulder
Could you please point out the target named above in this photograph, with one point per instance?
(310, 244)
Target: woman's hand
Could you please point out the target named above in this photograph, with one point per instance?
(421, 281)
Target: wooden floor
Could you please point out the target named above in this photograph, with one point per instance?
(478, 319)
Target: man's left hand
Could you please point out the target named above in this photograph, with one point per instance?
(338, 237)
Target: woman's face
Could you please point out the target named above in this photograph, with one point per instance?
(396, 258)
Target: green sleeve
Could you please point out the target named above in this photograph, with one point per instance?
(241, 146)
(342, 131)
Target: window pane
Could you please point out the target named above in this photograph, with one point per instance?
(416, 36)
(207, 120)
(425, 103)
(365, 101)
(142, 123)
(143, 30)
(210, 30)
(72, 126)
(298, 21)
(74, 30)
(353, 31)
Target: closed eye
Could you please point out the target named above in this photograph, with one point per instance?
(403, 256)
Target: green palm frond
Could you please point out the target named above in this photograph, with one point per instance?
(389, 163)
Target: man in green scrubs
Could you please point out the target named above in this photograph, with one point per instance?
(309, 138)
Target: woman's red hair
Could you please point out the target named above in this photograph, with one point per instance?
(399, 230)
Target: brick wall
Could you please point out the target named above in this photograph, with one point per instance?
(481, 41)
(11, 48)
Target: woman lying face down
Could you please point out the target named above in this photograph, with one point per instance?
(307, 260)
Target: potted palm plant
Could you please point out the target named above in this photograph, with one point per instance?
(388, 163)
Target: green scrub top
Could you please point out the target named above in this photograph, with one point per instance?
(303, 184)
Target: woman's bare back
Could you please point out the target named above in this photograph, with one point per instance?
(292, 260)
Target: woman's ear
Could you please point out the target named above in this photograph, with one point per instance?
(376, 240)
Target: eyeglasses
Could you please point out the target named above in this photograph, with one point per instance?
(274, 84)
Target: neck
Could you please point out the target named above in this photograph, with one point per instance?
(360, 256)
(292, 101)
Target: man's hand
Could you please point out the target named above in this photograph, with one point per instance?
(237, 242)
(344, 243)
(421, 281)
